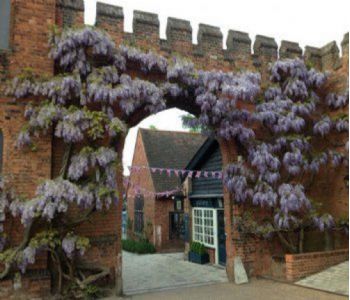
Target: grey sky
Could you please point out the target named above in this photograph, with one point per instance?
(309, 22)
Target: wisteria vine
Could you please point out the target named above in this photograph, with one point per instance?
(292, 116)
(88, 106)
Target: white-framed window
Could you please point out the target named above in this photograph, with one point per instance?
(204, 226)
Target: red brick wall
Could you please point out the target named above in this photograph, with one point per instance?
(30, 23)
(211, 253)
(143, 179)
(156, 210)
(301, 265)
(161, 220)
(35, 287)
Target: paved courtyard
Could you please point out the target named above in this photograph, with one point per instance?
(157, 272)
(256, 289)
(334, 279)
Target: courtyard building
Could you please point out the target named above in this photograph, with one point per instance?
(155, 205)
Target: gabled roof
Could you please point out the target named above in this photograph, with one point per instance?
(169, 149)
(200, 156)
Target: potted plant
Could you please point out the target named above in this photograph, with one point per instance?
(198, 254)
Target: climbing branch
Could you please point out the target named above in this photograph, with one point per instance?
(20, 247)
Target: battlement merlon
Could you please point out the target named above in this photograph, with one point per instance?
(238, 42)
(290, 50)
(178, 30)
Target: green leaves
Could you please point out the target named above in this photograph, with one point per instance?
(198, 248)
(49, 238)
(97, 120)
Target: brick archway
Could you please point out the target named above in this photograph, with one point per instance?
(31, 51)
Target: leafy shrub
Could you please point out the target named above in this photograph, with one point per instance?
(140, 247)
(92, 292)
(129, 224)
(198, 248)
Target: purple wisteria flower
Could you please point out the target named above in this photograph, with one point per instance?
(28, 257)
(323, 222)
(337, 101)
(342, 125)
(264, 195)
(293, 161)
(147, 61)
(68, 245)
(323, 127)
(292, 198)
(23, 139)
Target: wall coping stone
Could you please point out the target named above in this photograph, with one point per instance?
(178, 24)
(141, 17)
(312, 52)
(331, 47)
(297, 256)
(112, 11)
(209, 30)
(288, 47)
(265, 41)
(72, 4)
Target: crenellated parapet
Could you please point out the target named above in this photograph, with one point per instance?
(209, 49)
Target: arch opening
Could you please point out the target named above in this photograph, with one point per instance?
(158, 211)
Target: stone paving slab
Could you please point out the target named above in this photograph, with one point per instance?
(256, 289)
(334, 279)
(155, 272)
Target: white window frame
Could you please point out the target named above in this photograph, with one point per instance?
(202, 211)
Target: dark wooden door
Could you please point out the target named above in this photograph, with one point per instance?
(221, 238)
(177, 226)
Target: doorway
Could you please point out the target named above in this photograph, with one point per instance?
(221, 237)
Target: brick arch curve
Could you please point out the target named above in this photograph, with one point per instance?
(229, 154)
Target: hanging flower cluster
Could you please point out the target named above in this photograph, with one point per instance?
(218, 94)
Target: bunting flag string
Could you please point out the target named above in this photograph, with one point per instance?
(179, 172)
(137, 189)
